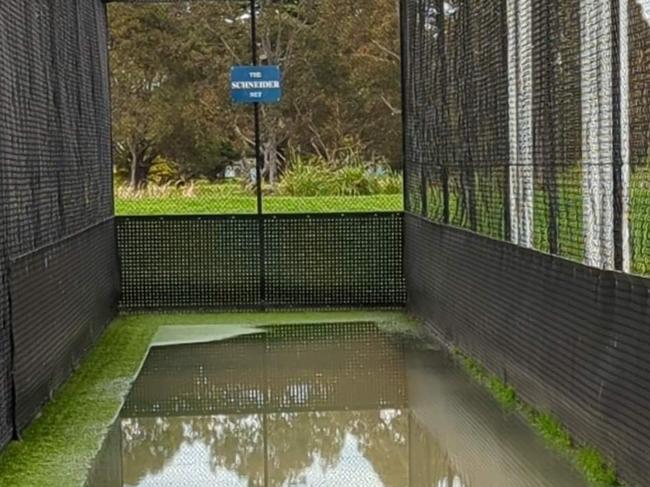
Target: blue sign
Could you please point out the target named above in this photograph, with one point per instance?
(255, 84)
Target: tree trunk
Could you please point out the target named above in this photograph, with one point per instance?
(271, 159)
(134, 181)
(139, 169)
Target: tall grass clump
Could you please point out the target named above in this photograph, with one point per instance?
(314, 176)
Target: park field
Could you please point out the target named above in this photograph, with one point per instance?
(211, 204)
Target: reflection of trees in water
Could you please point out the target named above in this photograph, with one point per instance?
(383, 440)
(147, 445)
(297, 440)
(430, 465)
(295, 443)
(236, 444)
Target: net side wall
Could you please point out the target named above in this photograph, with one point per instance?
(75, 284)
(214, 262)
(55, 175)
(572, 340)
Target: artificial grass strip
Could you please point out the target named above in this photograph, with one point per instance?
(595, 468)
(59, 447)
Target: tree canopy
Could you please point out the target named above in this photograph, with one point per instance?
(170, 66)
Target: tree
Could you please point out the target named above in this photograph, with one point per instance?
(170, 68)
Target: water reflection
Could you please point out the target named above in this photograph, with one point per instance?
(334, 405)
(304, 448)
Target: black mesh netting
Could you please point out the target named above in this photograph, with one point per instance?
(527, 123)
(75, 285)
(638, 119)
(215, 262)
(186, 262)
(334, 260)
(6, 423)
(55, 188)
(570, 339)
(457, 114)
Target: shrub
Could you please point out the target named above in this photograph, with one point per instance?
(317, 177)
(163, 171)
(390, 183)
(551, 429)
(353, 180)
(308, 177)
(305, 176)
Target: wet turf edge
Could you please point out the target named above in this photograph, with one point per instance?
(595, 468)
(59, 447)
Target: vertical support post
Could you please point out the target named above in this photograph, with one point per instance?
(403, 19)
(507, 218)
(617, 161)
(12, 353)
(258, 163)
(546, 131)
(403, 77)
(443, 110)
(622, 105)
(512, 14)
(424, 184)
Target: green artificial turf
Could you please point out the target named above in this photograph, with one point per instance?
(58, 449)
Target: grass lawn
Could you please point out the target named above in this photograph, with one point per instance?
(211, 204)
(570, 219)
(59, 447)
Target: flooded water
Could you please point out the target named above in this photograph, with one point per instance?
(334, 405)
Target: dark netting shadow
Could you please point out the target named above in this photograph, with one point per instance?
(75, 283)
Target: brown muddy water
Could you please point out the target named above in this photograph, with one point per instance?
(334, 405)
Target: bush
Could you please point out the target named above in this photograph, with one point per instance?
(353, 181)
(163, 171)
(390, 183)
(308, 177)
(317, 177)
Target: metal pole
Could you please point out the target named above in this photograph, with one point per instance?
(258, 164)
(617, 128)
(403, 11)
